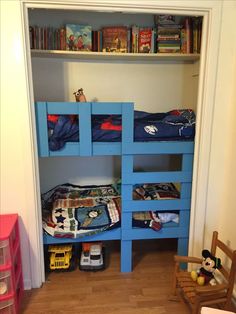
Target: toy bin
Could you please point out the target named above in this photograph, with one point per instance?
(5, 282)
(11, 280)
(4, 252)
(7, 306)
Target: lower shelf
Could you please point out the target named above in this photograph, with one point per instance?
(114, 234)
(170, 230)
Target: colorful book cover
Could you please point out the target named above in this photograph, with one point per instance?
(78, 37)
(135, 35)
(114, 39)
(145, 40)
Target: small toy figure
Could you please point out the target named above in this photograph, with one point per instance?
(80, 43)
(206, 273)
(79, 95)
(71, 43)
(118, 43)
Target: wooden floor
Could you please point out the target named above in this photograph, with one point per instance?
(145, 290)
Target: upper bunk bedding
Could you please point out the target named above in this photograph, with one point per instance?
(168, 126)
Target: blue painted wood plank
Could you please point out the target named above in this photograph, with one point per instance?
(114, 234)
(107, 108)
(126, 256)
(42, 128)
(155, 205)
(70, 149)
(103, 148)
(156, 177)
(85, 133)
(127, 192)
(127, 126)
(164, 233)
(184, 217)
(98, 149)
(63, 108)
(182, 246)
(187, 162)
(163, 147)
(185, 190)
(127, 164)
(126, 220)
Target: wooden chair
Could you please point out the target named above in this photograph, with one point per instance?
(197, 296)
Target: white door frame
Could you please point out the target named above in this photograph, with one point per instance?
(211, 10)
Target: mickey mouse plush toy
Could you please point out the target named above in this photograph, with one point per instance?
(206, 273)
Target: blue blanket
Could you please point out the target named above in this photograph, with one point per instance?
(172, 125)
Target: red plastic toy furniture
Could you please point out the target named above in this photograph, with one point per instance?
(11, 280)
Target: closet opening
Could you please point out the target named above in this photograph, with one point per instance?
(57, 75)
(73, 188)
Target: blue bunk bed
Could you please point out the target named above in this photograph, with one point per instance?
(127, 148)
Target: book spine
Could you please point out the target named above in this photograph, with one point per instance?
(135, 39)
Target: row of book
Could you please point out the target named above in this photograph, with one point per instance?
(182, 37)
(185, 38)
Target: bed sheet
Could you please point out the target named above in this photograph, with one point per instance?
(72, 211)
(172, 125)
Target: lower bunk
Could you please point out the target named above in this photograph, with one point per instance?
(73, 214)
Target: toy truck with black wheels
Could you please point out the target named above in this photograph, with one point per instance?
(92, 256)
(61, 257)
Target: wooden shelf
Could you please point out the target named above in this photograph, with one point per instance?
(86, 55)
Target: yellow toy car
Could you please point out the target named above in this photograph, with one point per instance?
(60, 257)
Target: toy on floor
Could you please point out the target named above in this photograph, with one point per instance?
(92, 256)
(79, 95)
(61, 257)
(206, 273)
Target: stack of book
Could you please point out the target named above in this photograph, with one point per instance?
(47, 38)
(143, 39)
(168, 35)
(191, 35)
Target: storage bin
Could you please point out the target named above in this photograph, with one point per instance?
(4, 252)
(5, 283)
(7, 307)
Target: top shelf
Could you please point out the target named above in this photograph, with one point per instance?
(84, 55)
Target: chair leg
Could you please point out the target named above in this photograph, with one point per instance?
(196, 306)
(174, 287)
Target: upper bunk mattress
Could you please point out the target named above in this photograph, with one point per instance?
(168, 126)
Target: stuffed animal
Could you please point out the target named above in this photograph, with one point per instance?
(79, 95)
(206, 273)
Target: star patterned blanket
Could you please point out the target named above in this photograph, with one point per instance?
(71, 211)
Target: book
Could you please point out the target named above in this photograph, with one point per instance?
(145, 40)
(114, 39)
(134, 38)
(78, 37)
(62, 38)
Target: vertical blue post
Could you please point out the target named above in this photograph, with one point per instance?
(182, 246)
(42, 128)
(126, 256)
(85, 133)
(184, 215)
(127, 126)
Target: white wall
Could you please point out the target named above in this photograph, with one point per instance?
(221, 212)
(18, 183)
